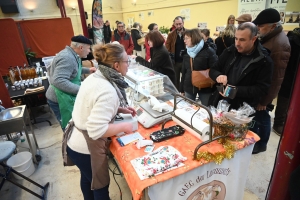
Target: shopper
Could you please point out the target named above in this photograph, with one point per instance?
(285, 92)
(107, 32)
(207, 39)
(203, 57)
(64, 78)
(273, 38)
(175, 45)
(230, 20)
(244, 18)
(151, 27)
(136, 35)
(99, 99)
(123, 38)
(251, 82)
(225, 40)
(160, 59)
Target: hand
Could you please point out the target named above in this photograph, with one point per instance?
(260, 107)
(133, 56)
(128, 110)
(92, 69)
(222, 79)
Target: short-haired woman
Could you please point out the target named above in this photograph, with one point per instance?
(100, 97)
(160, 59)
(226, 39)
(203, 57)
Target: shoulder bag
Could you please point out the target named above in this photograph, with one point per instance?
(201, 79)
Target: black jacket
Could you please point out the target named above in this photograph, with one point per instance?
(293, 64)
(107, 34)
(135, 35)
(228, 41)
(205, 59)
(254, 80)
(160, 62)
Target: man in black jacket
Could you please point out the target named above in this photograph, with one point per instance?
(247, 65)
(107, 32)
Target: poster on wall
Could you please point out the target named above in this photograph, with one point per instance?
(279, 5)
(202, 25)
(97, 17)
(186, 14)
(292, 18)
(251, 7)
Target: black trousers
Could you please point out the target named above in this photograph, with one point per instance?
(281, 111)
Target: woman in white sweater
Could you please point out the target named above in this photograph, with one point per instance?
(100, 98)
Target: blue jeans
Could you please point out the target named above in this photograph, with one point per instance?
(203, 97)
(83, 162)
(262, 127)
(55, 108)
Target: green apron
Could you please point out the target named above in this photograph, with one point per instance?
(66, 101)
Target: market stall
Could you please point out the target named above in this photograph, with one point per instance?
(194, 164)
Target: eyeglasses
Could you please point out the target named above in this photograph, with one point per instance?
(128, 61)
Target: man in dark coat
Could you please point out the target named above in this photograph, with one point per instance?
(274, 39)
(107, 32)
(283, 99)
(245, 65)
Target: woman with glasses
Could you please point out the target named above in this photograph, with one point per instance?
(100, 98)
(202, 57)
(123, 38)
(160, 59)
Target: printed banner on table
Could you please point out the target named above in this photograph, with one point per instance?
(252, 7)
(209, 182)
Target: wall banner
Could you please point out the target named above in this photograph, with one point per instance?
(97, 18)
(252, 7)
(208, 182)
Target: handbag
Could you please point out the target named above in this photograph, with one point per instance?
(201, 79)
(141, 41)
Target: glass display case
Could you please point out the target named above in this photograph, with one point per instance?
(149, 82)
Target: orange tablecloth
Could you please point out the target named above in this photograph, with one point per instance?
(186, 144)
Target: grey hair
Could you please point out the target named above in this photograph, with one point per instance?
(135, 25)
(76, 44)
(248, 25)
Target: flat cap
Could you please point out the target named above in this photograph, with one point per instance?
(81, 39)
(244, 18)
(269, 15)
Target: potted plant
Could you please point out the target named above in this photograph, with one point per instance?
(164, 29)
(29, 55)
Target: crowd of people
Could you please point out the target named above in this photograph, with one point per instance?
(252, 56)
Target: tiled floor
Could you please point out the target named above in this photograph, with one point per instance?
(64, 181)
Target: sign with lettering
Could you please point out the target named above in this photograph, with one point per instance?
(208, 182)
(252, 7)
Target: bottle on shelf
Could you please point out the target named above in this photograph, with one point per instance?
(11, 75)
(17, 73)
(22, 73)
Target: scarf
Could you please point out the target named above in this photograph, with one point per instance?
(271, 34)
(117, 80)
(193, 51)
